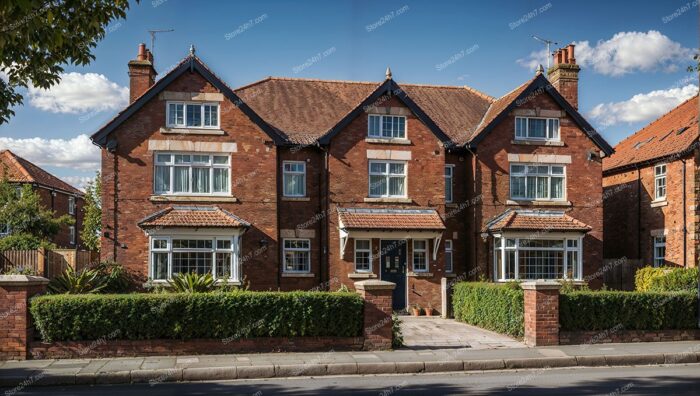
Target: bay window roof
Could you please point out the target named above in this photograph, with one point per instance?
(390, 219)
(193, 216)
(535, 220)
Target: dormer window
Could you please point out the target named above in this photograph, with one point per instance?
(192, 115)
(386, 127)
(530, 128)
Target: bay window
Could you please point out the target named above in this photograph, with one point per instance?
(294, 178)
(536, 128)
(537, 182)
(191, 174)
(297, 255)
(386, 126)
(387, 179)
(217, 256)
(517, 258)
(192, 115)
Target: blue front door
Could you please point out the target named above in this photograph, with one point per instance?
(393, 262)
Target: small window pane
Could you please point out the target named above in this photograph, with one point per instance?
(162, 182)
(210, 115)
(182, 159)
(182, 179)
(377, 167)
(396, 169)
(537, 128)
(223, 244)
(163, 158)
(220, 159)
(374, 126)
(160, 266)
(194, 115)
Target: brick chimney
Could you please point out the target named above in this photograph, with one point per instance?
(564, 74)
(142, 75)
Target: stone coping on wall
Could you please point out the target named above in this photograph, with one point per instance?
(585, 338)
(22, 280)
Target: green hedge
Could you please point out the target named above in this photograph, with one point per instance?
(666, 279)
(206, 315)
(604, 310)
(497, 307)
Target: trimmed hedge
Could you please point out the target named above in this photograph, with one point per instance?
(497, 307)
(602, 310)
(666, 279)
(206, 315)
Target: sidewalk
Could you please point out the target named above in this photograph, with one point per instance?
(154, 370)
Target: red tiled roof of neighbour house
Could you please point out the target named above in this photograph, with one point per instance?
(390, 219)
(193, 216)
(514, 220)
(19, 170)
(673, 133)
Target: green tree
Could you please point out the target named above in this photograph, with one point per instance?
(31, 225)
(92, 221)
(39, 37)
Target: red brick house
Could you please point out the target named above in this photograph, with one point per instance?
(56, 195)
(299, 184)
(651, 187)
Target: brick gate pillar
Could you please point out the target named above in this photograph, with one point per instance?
(378, 309)
(15, 322)
(541, 312)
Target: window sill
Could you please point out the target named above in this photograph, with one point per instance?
(389, 200)
(190, 198)
(296, 199)
(537, 143)
(297, 275)
(659, 203)
(191, 131)
(362, 275)
(404, 142)
(420, 274)
(537, 203)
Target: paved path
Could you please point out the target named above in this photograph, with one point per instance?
(426, 332)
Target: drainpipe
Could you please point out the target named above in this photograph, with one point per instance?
(639, 214)
(323, 208)
(685, 228)
(474, 221)
(278, 183)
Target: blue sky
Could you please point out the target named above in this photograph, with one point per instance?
(633, 56)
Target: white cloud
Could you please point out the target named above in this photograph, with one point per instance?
(78, 93)
(77, 153)
(641, 107)
(624, 53)
(79, 182)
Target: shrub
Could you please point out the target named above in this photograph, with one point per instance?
(643, 277)
(72, 282)
(396, 333)
(676, 279)
(226, 316)
(584, 310)
(497, 307)
(192, 283)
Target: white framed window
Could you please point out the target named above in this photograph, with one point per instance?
(191, 174)
(532, 128)
(192, 115)
(659, 250)
(387, 179)
(449, 176)
(536, 182)
(386, 126)
(71, 233)
(448, 256)
(525, 258)
(420, 255)
(660, 182)
(71, 205)
(297, 255)
(363, 255)
(294, 178)
(217, 256)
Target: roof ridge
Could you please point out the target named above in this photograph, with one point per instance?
(254, 83)
(482, 94)
(322, 80)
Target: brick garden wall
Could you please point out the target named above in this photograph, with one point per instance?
(604, 337)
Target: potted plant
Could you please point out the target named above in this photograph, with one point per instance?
(415, 310)
(429, 310)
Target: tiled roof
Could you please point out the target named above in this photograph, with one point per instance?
(193, 216)
(305, 109)
(390, 219)
(498, 106)
(672, 133)
(19, 170)
(531, 220)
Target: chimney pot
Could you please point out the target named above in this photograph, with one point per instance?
(572, 58)
(563, 75)
(565, 55)
(142, 52)
(142, 75)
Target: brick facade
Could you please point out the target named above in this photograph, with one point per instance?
(16, 330)
(541, 313)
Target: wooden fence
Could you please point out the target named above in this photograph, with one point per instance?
(619, 274)
(47, 263)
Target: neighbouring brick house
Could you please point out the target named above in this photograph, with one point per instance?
(299, 184)
(55, 194)
(651, 187)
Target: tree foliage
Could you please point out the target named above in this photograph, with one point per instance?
(39, 37)
(92, 220)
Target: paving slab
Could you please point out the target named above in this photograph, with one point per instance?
(435, 333)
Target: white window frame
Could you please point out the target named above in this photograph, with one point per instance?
(660, 182)
(172, 165)
(549, 175)
(449, 253)
(425, 254)
(380, 134)
(285, 249)
(659, 242)
(71, 205)
(387, 175)
(234, 270)
(71, 234)
(285, 173)
(549, 129)
(449, 179)
(503, 248)
(368, 251)
(184, 115)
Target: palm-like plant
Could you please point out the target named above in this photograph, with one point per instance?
(192, 283)
(72, 282)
